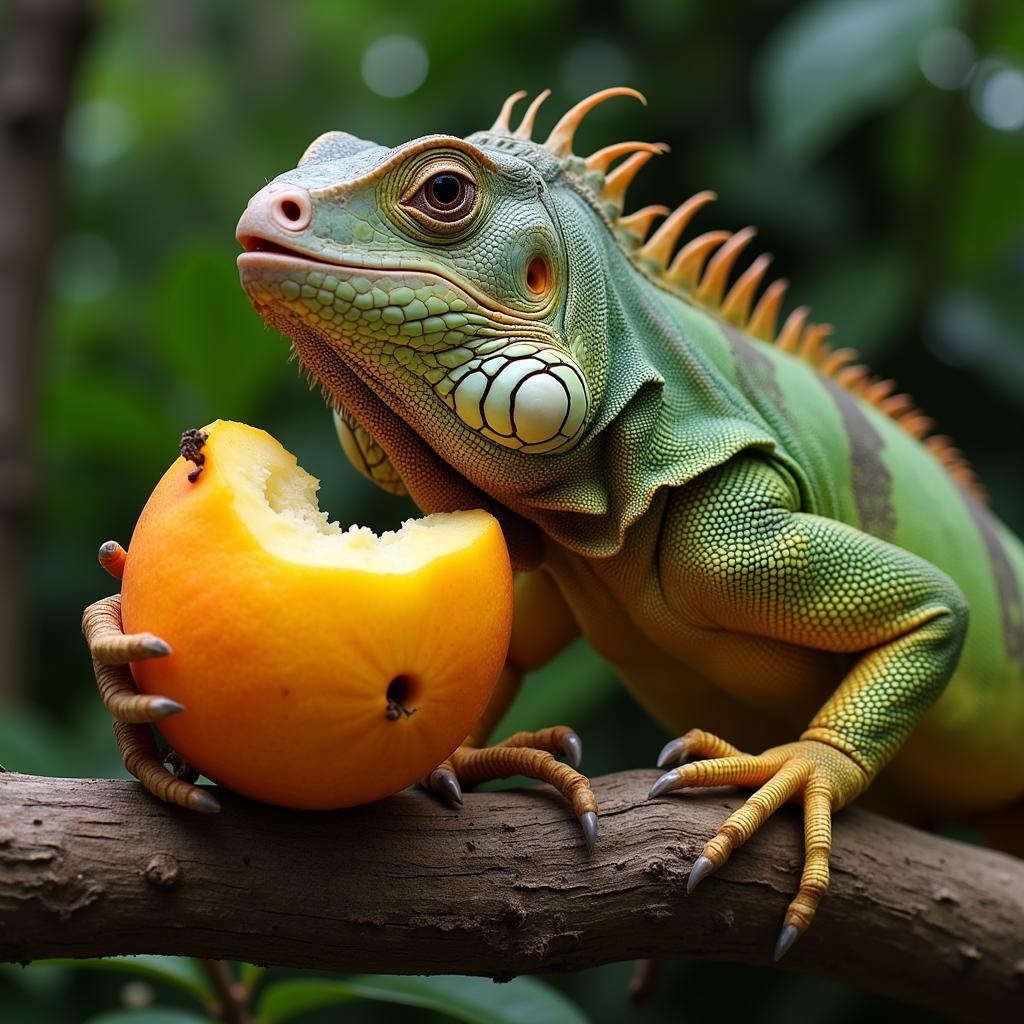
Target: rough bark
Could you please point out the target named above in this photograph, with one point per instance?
(502, 886)
(42, 42)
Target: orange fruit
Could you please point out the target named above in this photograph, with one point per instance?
(319, 667)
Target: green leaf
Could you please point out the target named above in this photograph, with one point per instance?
(251, 975)
(834, 61)
(179, 971)
(474, 1000)
(289, 999)
(150, 1015)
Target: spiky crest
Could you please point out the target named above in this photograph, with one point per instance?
(525, 129)
(501, 124)
(699, 270)
(559, 141)
(603, 158)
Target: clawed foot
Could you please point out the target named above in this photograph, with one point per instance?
(821, 776)
(524, 753)
(112, 650)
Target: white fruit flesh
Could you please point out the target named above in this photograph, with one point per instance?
(276, 500)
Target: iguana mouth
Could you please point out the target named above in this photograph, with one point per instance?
(259, 244)
(253, 243)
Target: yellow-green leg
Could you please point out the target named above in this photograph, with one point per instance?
(739, 556)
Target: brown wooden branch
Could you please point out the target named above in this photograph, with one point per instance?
(232, 997)
(42, 43)
(502, 886)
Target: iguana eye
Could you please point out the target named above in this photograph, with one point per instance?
(445, 191)
(443, 200)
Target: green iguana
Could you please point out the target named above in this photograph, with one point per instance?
(755, 532)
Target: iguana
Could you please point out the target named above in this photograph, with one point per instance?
(755, 532)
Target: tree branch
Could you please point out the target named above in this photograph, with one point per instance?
(502, 886)
(232, 997)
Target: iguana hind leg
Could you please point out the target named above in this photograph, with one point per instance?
(744, 559)
(818, 775)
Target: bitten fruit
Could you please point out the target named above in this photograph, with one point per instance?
(319, 667)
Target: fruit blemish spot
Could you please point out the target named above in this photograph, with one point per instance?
(191, 448)
(398, 695)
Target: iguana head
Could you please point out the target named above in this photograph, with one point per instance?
(469, 305)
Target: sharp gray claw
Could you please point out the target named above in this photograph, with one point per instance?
(787, 937)
(702, 867)
(672, 753)
(573, 747)
(668, 782)
(157, 647)
(588, 822)
(201, 801)
(444, 782)
(165, 707)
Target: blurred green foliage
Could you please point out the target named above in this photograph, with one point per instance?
(873, 141)
(181, 980)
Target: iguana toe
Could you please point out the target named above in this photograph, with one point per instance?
(524, 753)
(442, 780)
(198, 800)
(588, 822)
(138, 751)
(789, 934)
(702, 867)
(673, 752)
(572, 745)
(164, 707)
(665, 784)
(113, 558)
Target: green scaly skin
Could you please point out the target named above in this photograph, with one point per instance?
(751, 546)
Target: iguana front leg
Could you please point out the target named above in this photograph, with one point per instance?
(112, 650)
(541, 626)
(736, 557)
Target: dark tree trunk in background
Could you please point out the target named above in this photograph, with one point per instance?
(42, 41)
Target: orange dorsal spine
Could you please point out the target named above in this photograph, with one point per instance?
(699, 272)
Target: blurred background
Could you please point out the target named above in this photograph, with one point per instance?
(877, 144)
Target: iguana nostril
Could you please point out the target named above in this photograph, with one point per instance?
(292, 210)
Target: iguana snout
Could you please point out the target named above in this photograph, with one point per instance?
(276, 208)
